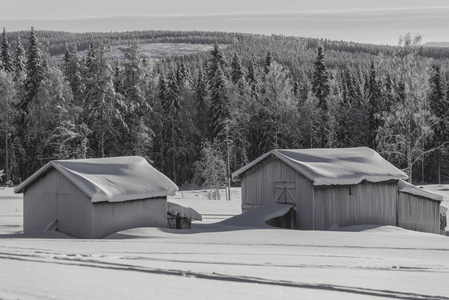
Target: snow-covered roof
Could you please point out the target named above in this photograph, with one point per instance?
(114, 179)
(408, 188)
(175, 209)
(340, 166)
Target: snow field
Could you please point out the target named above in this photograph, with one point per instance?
(158, 50)
(219, 261)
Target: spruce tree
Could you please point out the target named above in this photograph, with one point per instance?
(158, 124)
(388, 95)
(268, 61)
(134, 85)
(90, 81)
(66, 59)
(172, 124)
(172, 97)
(29, 102)
(374, 95)
(5, 57)
(352, 129)
(18, 62)
(236, 70)
(73, 72)
(216, 61)
(439, 105)
(183, 75)
(438, 100)
(34, 72)
(7, 128)
(103, 107)
(320, 87)
(220, 109)
(202, 106)
(162, 88)
(253, 80)
(320, 82)
(118, 84)
(220, 112)
(295, 89)
(138, 135)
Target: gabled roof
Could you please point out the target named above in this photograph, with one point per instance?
(114, 179)
(343, 166)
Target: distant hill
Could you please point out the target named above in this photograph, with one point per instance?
(436, 44)
(290, 51)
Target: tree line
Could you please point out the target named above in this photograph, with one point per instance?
(197, 118)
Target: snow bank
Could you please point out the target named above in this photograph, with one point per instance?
(342, 166)
(114, 179)
(408, 188)
(182, 211)
(370, 228)
(257, 218)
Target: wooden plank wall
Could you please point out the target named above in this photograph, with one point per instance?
(418, 213)
(54, 197)
(112, 217)
(258, 188)
(364, 203)
(304, 195)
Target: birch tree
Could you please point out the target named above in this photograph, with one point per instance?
(320, 87)
(408, 126)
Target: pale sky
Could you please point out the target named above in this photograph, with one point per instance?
(375, 21)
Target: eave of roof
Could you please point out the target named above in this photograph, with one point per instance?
(42, 171)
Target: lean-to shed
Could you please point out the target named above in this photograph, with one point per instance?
(92, 198)
(337, 187)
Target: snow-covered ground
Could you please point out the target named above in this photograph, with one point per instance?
(221, 260)
(157, 50)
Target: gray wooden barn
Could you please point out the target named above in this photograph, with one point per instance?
(92, 198)
(337, 187)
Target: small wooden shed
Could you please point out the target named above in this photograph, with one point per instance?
(337, 187)
(92, 198)
(418, 209)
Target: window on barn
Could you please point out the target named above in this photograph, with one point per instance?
(284, 192)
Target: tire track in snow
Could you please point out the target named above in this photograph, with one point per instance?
(90, 263)
(294, 266)
(88, 258)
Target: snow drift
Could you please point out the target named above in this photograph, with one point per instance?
(257, 218)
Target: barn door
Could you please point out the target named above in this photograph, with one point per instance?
(284, 192)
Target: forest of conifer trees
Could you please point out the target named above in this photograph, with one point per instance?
(199, 117)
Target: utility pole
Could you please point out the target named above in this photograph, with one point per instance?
(7, 139)
(228, 164)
